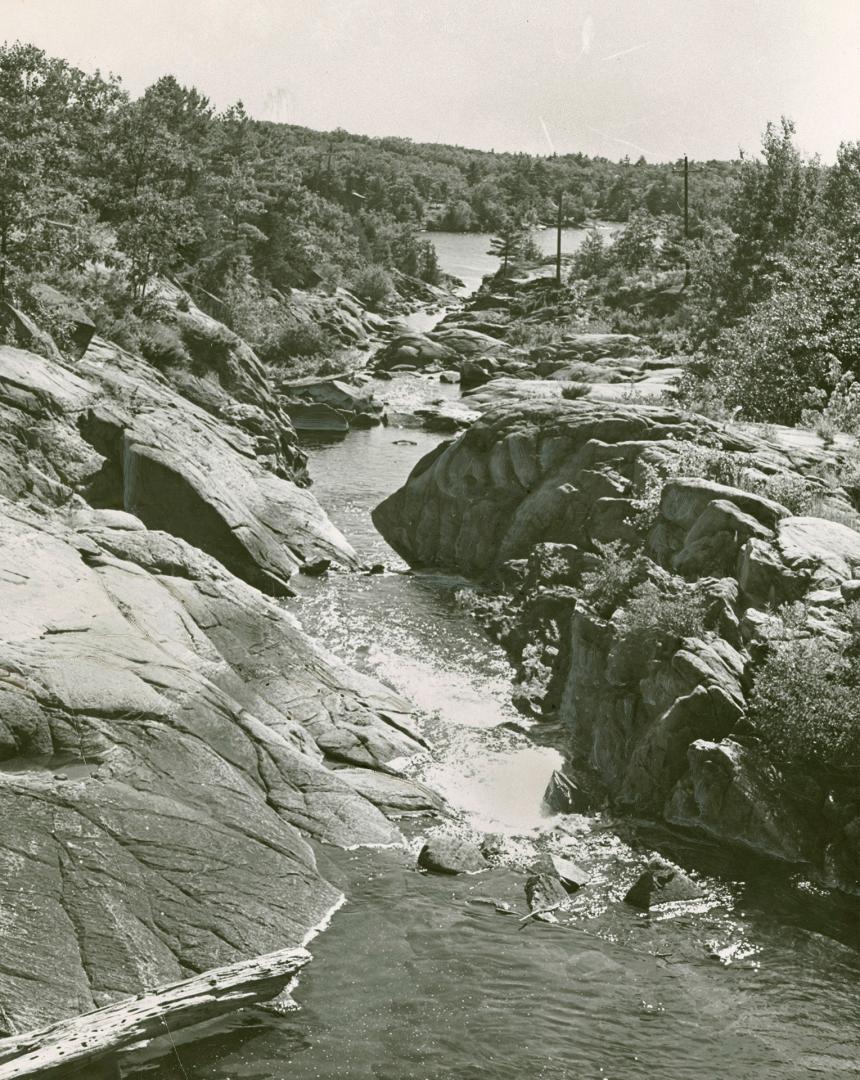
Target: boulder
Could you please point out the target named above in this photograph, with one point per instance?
(734, 793)
(571, 876)
(446, 854)
(661, 883)
(316, 416)
(564, 796)
(392, 794)
(20, 330)
(415, 350)
(683, 501)
(825, 552)
(544, 894)
(523, 474)
(477, 371)
(338, 394)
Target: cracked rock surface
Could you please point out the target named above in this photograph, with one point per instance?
(170, 740)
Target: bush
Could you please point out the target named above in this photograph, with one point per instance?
(805, 703)
(616, 571)
(373, 285)
(208, 345)
(162, 345)
(570, 391)
(838, 411)
(286, 340)
(673, 611)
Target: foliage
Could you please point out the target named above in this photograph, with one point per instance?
(570, 391)
(51, 117)
(513, 244)
(805, 703)
(838, 410)
(638, 244)
(591, 259)
(659, 612)
(611, 579)
(372, 284)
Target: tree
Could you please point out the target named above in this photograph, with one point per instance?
(508, 244)
(590, 260)
(773, 206)
(234, 198)
(156, 178)
(51, 116)
(637, 245)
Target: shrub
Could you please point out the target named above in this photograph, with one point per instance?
(162, 345)
(570, 391)
(837, 411)
(373, 285)
(673, 611)
(615, 573)
(531, 335)
(805, 703)
(284, 341)
(209, 345)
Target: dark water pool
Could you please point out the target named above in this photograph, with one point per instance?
(421, 978)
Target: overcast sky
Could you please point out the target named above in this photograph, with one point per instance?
(659, 77)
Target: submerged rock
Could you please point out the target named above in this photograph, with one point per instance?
(661, 883)
(571, 876)
(445, 854)
(545, 893)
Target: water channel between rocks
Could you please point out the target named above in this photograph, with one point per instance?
(421, 978)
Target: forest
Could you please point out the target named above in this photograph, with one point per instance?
(164, 184)
(101, 193)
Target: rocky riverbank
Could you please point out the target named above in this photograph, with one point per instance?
(170, 739)
(643, 559)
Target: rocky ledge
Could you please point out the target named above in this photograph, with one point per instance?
(642, 557)
(170, 741)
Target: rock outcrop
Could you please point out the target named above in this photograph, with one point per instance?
(693, 513)
(170, 741)
(164, 735)
(113, 430)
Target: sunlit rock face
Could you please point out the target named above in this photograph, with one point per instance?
(169, 739)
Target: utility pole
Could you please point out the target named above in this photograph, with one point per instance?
(686, 222)
(558, 240)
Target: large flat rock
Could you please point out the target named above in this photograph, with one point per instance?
(164, 729)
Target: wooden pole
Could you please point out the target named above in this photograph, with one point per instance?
(149, 1015)
(558, 240)
(686, 221)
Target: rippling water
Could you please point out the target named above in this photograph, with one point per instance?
(424, 978)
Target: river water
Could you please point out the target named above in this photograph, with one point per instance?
(418, 978)
(466, 255)
(422, 977)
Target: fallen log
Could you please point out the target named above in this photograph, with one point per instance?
(151, 1014)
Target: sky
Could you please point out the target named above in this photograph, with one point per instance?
(611, 77)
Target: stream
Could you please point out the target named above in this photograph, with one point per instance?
(424, 977)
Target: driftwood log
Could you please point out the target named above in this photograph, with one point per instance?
(166, 1009)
